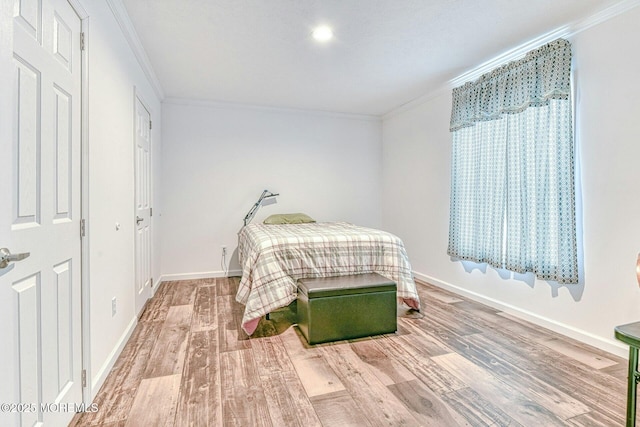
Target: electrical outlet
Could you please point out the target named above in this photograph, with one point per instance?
(224, 251)
(113, 306)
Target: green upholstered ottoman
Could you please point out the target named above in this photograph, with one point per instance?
(345, 307)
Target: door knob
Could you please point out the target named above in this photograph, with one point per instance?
(139, 220)
(6, 257)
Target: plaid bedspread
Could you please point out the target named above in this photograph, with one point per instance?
(274, 257)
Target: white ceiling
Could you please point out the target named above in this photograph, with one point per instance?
(385, 52)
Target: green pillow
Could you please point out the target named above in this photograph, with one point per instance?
(293, 218)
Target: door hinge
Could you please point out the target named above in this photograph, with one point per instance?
(84, 378)
(82, 228)
(150, 124)
(150, 211)
(81, 41)
(152, 282)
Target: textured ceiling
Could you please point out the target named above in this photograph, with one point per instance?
(385, 52)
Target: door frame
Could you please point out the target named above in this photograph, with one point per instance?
(138, 96)
(84, 204)
(7, 106)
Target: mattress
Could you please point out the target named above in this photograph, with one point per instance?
(273, 257)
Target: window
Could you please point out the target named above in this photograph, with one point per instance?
(513, 179)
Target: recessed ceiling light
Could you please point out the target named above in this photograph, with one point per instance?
(322, 33)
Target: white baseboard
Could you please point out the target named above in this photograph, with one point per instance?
(98, 379)
(201, 275)
(608, 345)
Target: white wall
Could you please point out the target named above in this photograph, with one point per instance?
(113, 74)
(416, 176)
(218, 159)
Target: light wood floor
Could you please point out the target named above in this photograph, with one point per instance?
(188, 363)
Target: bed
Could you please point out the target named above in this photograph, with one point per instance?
(274, 256)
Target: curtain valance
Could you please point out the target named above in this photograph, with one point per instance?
(543, 74)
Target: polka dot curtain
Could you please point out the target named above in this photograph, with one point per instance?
(513, 168)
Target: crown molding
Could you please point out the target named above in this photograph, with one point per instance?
(519, 51)
(416, 102)
(190, 102)
(130, 34)
(565, 31)
(605, 14)
(510, 55)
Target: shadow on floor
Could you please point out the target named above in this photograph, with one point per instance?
(282, 319)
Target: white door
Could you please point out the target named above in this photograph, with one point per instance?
(40, 214)
(143, 204)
